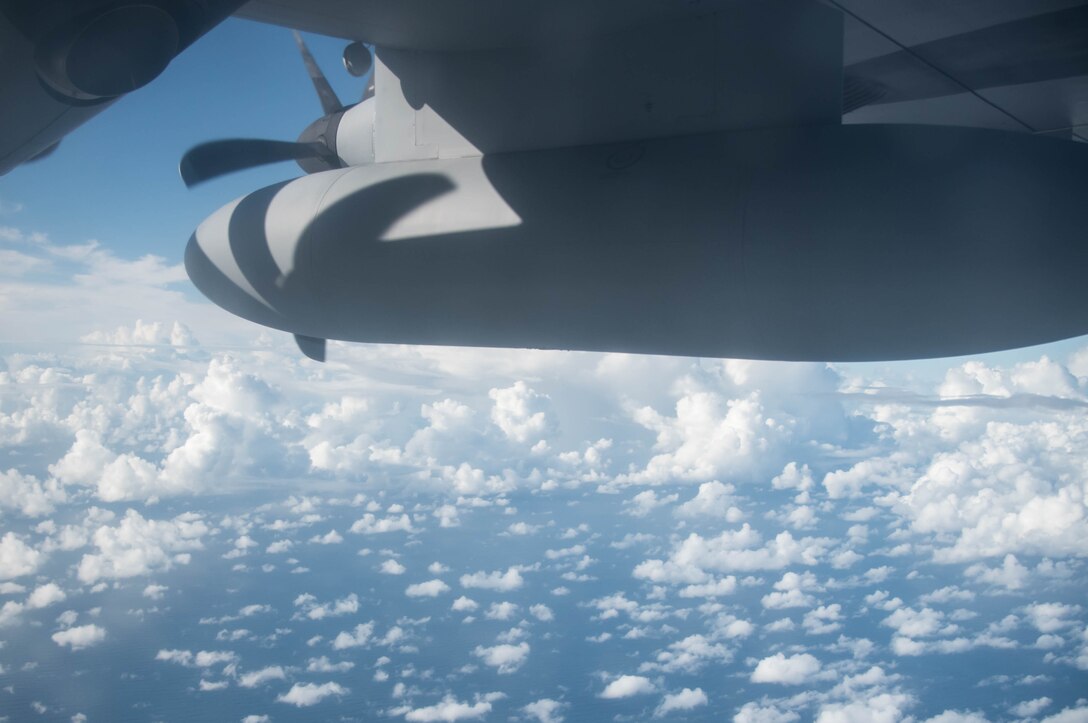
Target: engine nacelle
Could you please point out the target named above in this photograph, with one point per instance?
(825, 243)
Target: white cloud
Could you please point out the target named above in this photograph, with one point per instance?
(1011, 575)
(686, 699)
(307, 694)
(1031, 708)
(712, 500)
(431, 588)
(824, 619)
(312, 609)
(449, 710)
(80, 637)
(27, 495)
(879, 708)
(464, 604)
(279, 547)
(546, 710)
(793, 477)
(10, 612)
(755, 713)
(1079, 714)
(357, 637)
(792, 592)
(689, 655)
(45, 595)
(155, 592)
(542, 613)
(324, 665)
(210, 658)
(731, 551)
(368, 524)
(1051, 617)
(332, 537)
(711, 436)
(501, 611)
(262, 676)
(497, 580)
(392, 567)
(647, 501)
(713, 588)
(792, 670)
(181, 657)
(626, 686)
(138, 546)
(521, 413)
(17, 558)
(506, 658)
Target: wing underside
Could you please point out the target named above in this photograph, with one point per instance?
(1007, 64)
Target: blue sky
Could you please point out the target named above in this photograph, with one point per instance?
(197, 522)
(117, 177)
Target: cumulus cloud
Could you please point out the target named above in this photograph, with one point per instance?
(392, 567)
(80, 637)
(496, 580)
(368, 524)
(647, 501)
(521, 413)
(731, 551)
(17, 558)
(506, 658)
(501, 610)
(546, 710)
(791, 670)
(138, 546)
(881, 707)
(449, 710)
(309, 606)
(686, 699)
(712, 500)
(431, 588)
(626, 686)
(262, 676)
(689, 655)
(306, 694)
(464, 604)
(542, 612)
(29, 496)
(359, 636)
(45, 595)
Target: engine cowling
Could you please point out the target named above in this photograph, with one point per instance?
(348, 134)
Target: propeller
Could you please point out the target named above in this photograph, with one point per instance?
(218, 158)
(329, 102)
(314, 149)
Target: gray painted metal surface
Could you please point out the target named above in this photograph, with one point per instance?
(819, 243)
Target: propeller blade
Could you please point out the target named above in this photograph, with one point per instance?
(329, 102)
(218, 158)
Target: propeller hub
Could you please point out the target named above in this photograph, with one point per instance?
(321, 132)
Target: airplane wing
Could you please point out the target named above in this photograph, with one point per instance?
(486, 75)
(1005, 64)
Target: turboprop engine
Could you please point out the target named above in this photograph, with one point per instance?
(713, 227)
(834, 243)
